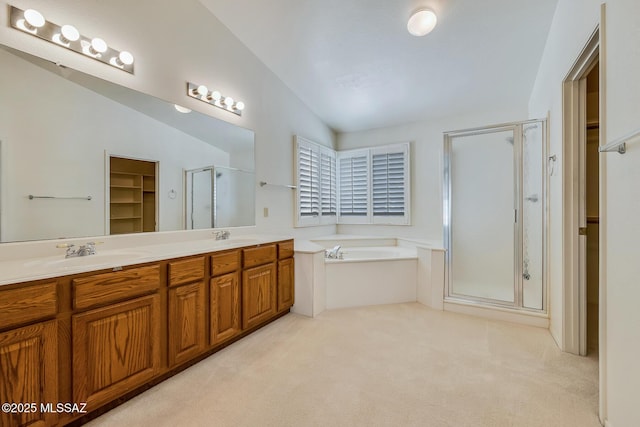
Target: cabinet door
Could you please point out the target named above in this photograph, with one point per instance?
(115, 349)
(285, 284)
(186, 322)
(29, 373)
(225, 307)
(258, 294)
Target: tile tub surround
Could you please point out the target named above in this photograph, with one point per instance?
(26, 261)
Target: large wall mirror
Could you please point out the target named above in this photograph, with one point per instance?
(100, 159)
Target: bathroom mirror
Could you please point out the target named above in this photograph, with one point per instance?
(59, 128)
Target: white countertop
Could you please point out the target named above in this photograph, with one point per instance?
(45, 267)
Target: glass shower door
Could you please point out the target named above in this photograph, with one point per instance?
(482, 232)
(200, 200)
(495, 215)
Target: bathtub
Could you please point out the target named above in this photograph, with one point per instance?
(371, 275)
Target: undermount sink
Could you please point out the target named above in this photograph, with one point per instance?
(100, 258)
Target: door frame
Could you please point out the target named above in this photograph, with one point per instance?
(574, 303)
(574, 146)
(107, 187)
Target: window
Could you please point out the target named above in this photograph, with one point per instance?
(316, 201)
(365, 186)
(374, 185)
(354, 185)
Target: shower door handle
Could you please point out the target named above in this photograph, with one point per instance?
(515, 216)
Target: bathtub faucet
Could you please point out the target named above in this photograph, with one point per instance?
(334, 253)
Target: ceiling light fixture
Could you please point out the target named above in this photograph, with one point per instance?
(32, 22)
(422, 22)
(67, 34)
(215, 98)
(182, 109)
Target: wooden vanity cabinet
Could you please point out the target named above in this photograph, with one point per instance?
(187, 310)
(116, 347)
(95, 337)
(224, 296)
(28, 353)
(286, 278)
(259, 286)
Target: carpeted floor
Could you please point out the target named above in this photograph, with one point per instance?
(392, 365)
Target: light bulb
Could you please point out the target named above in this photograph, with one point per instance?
(69, 34)
(33, 19)
(216, 96)
(182, 109)
(422, 22)
(239, 105)
(202, 90)
(125, 58)
(98, 46)
(228, 101)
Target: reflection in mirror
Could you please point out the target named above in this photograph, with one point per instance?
(210, 197)
(59, 128)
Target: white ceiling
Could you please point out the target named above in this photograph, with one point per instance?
(356, 66)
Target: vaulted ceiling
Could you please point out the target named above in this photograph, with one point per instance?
(356, 66)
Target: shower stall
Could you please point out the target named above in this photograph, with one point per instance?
(495, 217)
(218, 196)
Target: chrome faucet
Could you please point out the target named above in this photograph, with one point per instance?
(334, 253)
(222, 234)
(84, 250)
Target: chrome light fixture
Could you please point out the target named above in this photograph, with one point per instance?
(32, 22)
(202, 93)
(422, 22)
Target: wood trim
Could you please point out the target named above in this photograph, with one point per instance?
(105, 288)
(226, 262)
(186, 271)
(20, 306)
(259, 255)
(186, 322)
(115, 349)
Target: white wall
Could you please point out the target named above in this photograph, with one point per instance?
(174, 42)
(620, 203)
(55, 134)
(426, 166)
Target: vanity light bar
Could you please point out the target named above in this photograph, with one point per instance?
(32, 22)
(202, 93)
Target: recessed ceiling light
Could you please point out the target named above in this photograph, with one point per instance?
(182, 109)
(422, 22)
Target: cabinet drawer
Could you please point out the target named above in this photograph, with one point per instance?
(24, 305)
(226, 262)
(285, 249)
(109, 287)
(188, 270)
(260, 255)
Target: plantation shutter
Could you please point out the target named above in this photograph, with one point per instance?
(308, 180)
(328, 188)
(354, 185)
(388, 187)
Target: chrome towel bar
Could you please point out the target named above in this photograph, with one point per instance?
(31, 197)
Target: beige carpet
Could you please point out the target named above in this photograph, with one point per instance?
(392, 365)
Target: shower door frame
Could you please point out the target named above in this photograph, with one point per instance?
(189, 197)
(518, 303)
